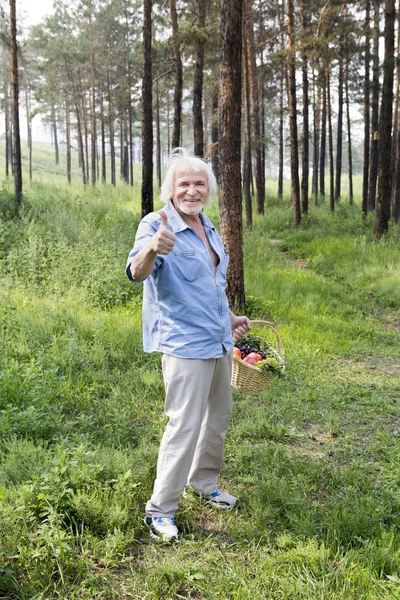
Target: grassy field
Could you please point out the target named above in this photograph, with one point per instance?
(314, 458)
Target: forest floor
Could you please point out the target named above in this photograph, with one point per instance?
(314, 459)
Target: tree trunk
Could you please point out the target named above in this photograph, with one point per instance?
(282, 76)
(125, 157)
(176, 134)
(158, 138)
(367, 133)
(7, 126)
(111, 121)
(247, 141)
(339, 139)
(85, 130)
(317, 124)
(322, 154)
(55, 135)
(93, 98)
(147, 113)
(294, 150)
(374, 159)
(68, 137)
(385, 172)
(15, 104)
(130, 118)
(102, 133)
(349, 146)
(198, 82)
(214, 133)
(29, 127)
(330, 142)
(305, 156)
(230, 196)
(255, 109)
(396, 142)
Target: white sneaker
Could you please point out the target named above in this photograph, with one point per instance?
(221, 499)
(163, 528)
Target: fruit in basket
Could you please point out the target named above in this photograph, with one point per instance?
(237, 353)
(252, 358)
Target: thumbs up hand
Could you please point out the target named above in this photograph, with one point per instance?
(163, 240)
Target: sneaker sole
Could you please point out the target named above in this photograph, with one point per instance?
(155, 535)
(220, 505)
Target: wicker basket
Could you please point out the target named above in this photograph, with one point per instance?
(248, 378)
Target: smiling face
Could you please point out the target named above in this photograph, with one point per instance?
(190, 192)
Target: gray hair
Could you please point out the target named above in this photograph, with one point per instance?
(182, 161)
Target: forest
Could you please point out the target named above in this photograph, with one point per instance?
(296, 105)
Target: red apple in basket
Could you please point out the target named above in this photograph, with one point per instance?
(237, 353)
(252, 358)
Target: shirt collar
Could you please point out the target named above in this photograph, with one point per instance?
(178, 224)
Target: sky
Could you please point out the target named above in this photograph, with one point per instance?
(34, 10)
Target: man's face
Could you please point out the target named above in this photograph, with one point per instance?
(190, 191)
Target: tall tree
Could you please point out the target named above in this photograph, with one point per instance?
(367, 59)
(230, 196)
(255, 108)
(294, 149)
(247, 140)
(176, 134)
(374, 144)
(339, 138)
(15, 104)
(305, 140)
(385, 167)
(147, 113)
(198, 81)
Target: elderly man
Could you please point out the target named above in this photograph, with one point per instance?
(186, 317)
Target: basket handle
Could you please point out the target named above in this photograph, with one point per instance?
(279, 343)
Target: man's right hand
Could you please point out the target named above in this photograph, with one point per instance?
(163, 241)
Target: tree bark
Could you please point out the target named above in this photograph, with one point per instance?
(29, 126)
(282, 76)
(294, 150)
(198, 82)
(247, 141)
(158, 137)
(230, 196)
(147, 113)
(55, 136)
(396, 141)
(349, 144)
(322, 154)
(176, 134)
(255, 109)
(305, 154)
(15, 104)
(317, 124)
(339, 138)
(7, 125)
(330, 142)
(93, 98)
(385, 171)
(374, 157)
(68, 136)
(367, 133)
(111, 120)
(214, 132)
(102, 133)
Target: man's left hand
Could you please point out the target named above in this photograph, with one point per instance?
(240, 325)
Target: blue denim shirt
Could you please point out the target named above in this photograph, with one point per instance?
(185, 308)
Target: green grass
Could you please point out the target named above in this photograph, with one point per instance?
(314, 458)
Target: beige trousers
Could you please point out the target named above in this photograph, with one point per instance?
(198, 403)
